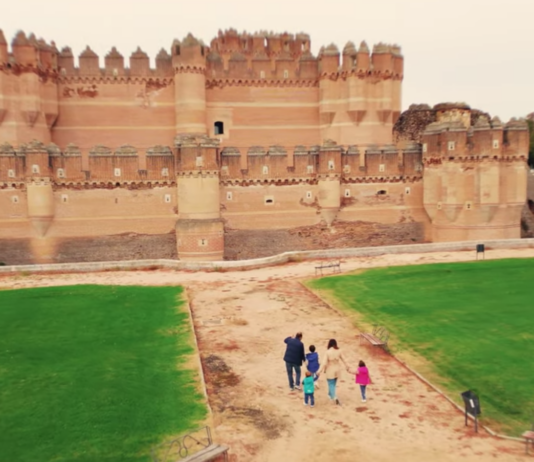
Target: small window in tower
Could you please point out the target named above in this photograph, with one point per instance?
(60, 173)
(331, 165)
(64, 198)
(115, 72)
(63, 71)
(265, 43)
(35, 169)
(286, 74)
(224, 169)
(269, 200)
(265, 170)
(309, 195)
(218, 128)
(310, 169)
(347, 193)
(495, 144)
(167, 198)
(381, 168)
(229, 196)
(382, 192)
(164, 172)
(451, 145)
(407, 191)
(199, 161)
(15, 199)
(346, 168)
(425, 147)
(117, 172)
(262, 74)
(438, 205)
(468, 205)
(11, 173)
(202, 242)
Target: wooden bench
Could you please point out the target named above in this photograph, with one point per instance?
(326, 265)
(378, 337)
(196, 446)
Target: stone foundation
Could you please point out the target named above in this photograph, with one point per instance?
(89, 249)
(247, 244)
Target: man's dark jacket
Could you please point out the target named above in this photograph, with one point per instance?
(294, 351)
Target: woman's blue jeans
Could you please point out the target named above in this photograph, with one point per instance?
(332, 388)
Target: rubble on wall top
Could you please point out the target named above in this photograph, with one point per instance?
(307, 56)
(450, 106)
(6, 149)
(88, 53)
(113, 53)
(277, 151)
(72, 150)
(482, 123)
(256, 151)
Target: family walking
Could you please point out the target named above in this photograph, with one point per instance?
(331, 367)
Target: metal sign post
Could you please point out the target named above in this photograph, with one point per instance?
(472, 406)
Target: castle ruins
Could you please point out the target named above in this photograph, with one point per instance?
(249, 135)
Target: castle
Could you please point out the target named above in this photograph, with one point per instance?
(250, 134)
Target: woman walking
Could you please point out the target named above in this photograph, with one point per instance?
(332, 368)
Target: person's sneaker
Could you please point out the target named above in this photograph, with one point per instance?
(292, 389)
(305, 404)
(297, 387)
(313, 405)
(364, 400)
(337, 402)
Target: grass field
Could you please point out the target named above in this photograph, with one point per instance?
(94, 373)
(474, 322)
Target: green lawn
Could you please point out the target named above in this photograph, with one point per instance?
(474, 323)
(94, 373)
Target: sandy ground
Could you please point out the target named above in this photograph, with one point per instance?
(241, 319)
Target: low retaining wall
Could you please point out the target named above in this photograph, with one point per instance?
(267, 261)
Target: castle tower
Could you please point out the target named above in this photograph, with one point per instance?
(199, 229)
(474, 179)
(40, 195)
(329, 91)
(329, 181)
(28, 102)
(189, 63)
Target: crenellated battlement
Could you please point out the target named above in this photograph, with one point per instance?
(231, 55)
(125, 164)
(453, 138)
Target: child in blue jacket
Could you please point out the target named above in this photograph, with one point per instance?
(312, 359)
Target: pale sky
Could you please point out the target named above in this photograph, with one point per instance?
(476, 51)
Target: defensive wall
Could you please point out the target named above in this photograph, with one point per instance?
(220, 150)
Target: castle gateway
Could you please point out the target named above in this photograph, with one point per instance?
(238, 149)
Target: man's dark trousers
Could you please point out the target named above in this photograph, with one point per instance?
(289, 368)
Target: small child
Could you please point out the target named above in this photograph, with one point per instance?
(313, 363)
(308, 385)
(362, 378)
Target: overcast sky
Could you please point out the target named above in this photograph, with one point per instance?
(477, 51)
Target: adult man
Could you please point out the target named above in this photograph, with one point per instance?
(294, 357)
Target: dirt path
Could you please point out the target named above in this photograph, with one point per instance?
(241, 319)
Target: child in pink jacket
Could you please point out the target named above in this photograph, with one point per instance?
(362, 378)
